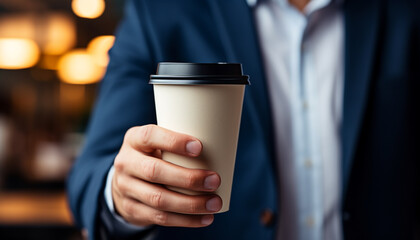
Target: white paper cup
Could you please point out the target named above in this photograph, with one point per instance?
(204, 101)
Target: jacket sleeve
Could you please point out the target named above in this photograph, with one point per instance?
(125, 100)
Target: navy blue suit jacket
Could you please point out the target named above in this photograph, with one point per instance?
(380, 128)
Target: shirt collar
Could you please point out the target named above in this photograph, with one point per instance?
(252, 3)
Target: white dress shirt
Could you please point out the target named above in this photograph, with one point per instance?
(303, 61)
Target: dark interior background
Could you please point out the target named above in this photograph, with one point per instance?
(42, 116)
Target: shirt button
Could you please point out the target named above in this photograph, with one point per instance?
(310, 222)
(308, 163)
(267, 217)
(305, 105)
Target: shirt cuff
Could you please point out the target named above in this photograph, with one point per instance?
(110, 204)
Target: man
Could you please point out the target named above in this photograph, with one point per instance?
(327, 148)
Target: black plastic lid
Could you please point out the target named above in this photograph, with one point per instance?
(199, 73)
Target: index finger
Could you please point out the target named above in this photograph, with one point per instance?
(148, 138)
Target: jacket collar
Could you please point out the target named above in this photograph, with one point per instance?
(252, 3)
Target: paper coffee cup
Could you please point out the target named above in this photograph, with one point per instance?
(203, 100)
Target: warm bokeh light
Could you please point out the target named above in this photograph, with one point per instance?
(18, 26)
(54, 32)
(18, 53)
(60, 34)
(88, 8)
(78, 67)
(99, 48)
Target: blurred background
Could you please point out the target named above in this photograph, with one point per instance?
(53, 53)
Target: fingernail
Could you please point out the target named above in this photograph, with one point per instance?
(214, 204)
(207, 220)
(193, 147)
(211, 182)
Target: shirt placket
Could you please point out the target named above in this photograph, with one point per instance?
(308, 162)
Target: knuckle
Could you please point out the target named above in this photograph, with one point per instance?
(144, 133)
(194, 206)
(155, 199)
(119, 163)
(150, 170)
(160, 218)
(191, 179)
(171, 141)
(119, 184)
(130, 133)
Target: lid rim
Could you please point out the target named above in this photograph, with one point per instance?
(201, 81)
(156, 76)
(199, 73)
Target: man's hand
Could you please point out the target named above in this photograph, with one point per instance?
(140, 173)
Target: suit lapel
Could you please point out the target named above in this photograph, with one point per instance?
(236, 28)
(361, 30)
